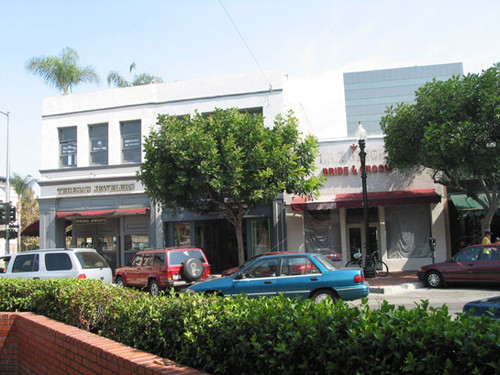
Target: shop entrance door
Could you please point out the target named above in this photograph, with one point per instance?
(357, 239)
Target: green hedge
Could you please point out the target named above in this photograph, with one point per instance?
(268, 336)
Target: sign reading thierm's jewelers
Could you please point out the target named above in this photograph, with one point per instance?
(96, 189)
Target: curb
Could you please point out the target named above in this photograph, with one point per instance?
(396, 289)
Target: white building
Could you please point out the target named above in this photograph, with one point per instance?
(92, 149)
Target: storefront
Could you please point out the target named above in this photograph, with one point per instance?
(405, 210)
(115, 218)
(264, 230)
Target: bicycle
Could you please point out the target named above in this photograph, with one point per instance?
(381, 268)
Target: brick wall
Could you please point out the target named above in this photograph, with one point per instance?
(33, 344)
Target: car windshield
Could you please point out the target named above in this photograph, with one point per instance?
(179, 257)
(325, 262)
(91, 259)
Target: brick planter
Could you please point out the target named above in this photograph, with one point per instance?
(33, 344)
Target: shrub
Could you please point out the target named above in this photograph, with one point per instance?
(265, 336)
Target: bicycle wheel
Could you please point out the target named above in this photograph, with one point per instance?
(353, 263)
(381, 269)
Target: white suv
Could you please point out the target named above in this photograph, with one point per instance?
(56, 263)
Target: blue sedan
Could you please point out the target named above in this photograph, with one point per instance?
(292, 274)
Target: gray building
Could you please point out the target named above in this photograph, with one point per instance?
(368, 94)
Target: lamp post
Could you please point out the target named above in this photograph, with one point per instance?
(7, 188)
(369, 264)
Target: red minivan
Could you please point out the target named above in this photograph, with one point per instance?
(164, 269)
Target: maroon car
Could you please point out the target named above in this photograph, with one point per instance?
(474, 264)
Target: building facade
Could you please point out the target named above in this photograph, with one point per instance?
(369, 93)
(405, 210)
(92, 150)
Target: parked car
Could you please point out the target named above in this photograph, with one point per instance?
(164, 269)
(329, 253)
(56, 263)
(474, 264)
(292, 274)
(488, 306)
(232, 271)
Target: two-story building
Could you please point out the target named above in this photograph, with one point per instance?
(92, 150)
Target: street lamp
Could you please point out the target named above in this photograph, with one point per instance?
(7, 188)
(369, 264)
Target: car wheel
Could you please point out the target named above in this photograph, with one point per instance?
(119, 281)
(154, 288)
(322, 295)
(434, 279)
(192, 269)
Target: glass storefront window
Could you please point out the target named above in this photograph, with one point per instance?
(261, 236)
(86, 242)
(182, 234)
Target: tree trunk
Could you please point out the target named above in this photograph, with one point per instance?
(239, 239)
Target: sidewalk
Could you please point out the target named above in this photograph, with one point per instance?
(395, 282)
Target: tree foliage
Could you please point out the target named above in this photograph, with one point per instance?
(117, 80)
(27, 207)
(63, 71)
(227, 163)
(452, 128)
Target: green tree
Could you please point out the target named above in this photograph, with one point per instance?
(117, 80)
(27, 206)
(228, 163)
(62, 71)
(453, 128)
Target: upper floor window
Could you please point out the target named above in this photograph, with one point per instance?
(131, 142)
(67, 147)
(98, 135)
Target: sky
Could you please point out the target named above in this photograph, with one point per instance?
(313, 42)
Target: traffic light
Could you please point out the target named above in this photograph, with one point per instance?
(12, 214)
(3, 214)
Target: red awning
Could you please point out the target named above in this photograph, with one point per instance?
(98, 213)
(33, 230)
(375, 199)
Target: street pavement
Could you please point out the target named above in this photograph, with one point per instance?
(409, 294)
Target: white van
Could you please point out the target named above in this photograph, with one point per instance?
(56, 263)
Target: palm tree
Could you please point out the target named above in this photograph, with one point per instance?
(117, 80)
(62, 71)
(27, 206)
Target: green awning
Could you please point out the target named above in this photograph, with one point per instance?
(468, 206)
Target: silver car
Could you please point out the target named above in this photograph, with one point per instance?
(56, 263)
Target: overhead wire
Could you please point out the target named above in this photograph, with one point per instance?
(246, 44)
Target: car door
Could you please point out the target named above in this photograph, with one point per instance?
(258, 279)
(144, 271)
(298, 277)
(488, 267)
(464, 266)
(57, 266)
(133, 273)
(26, 266)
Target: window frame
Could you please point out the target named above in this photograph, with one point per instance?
(103, 150)
(136, 148)
(66, 143)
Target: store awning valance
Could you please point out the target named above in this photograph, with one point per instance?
(98, 213)
(468, 206)
(375, 199)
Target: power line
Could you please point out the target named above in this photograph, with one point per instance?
(246, 44)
